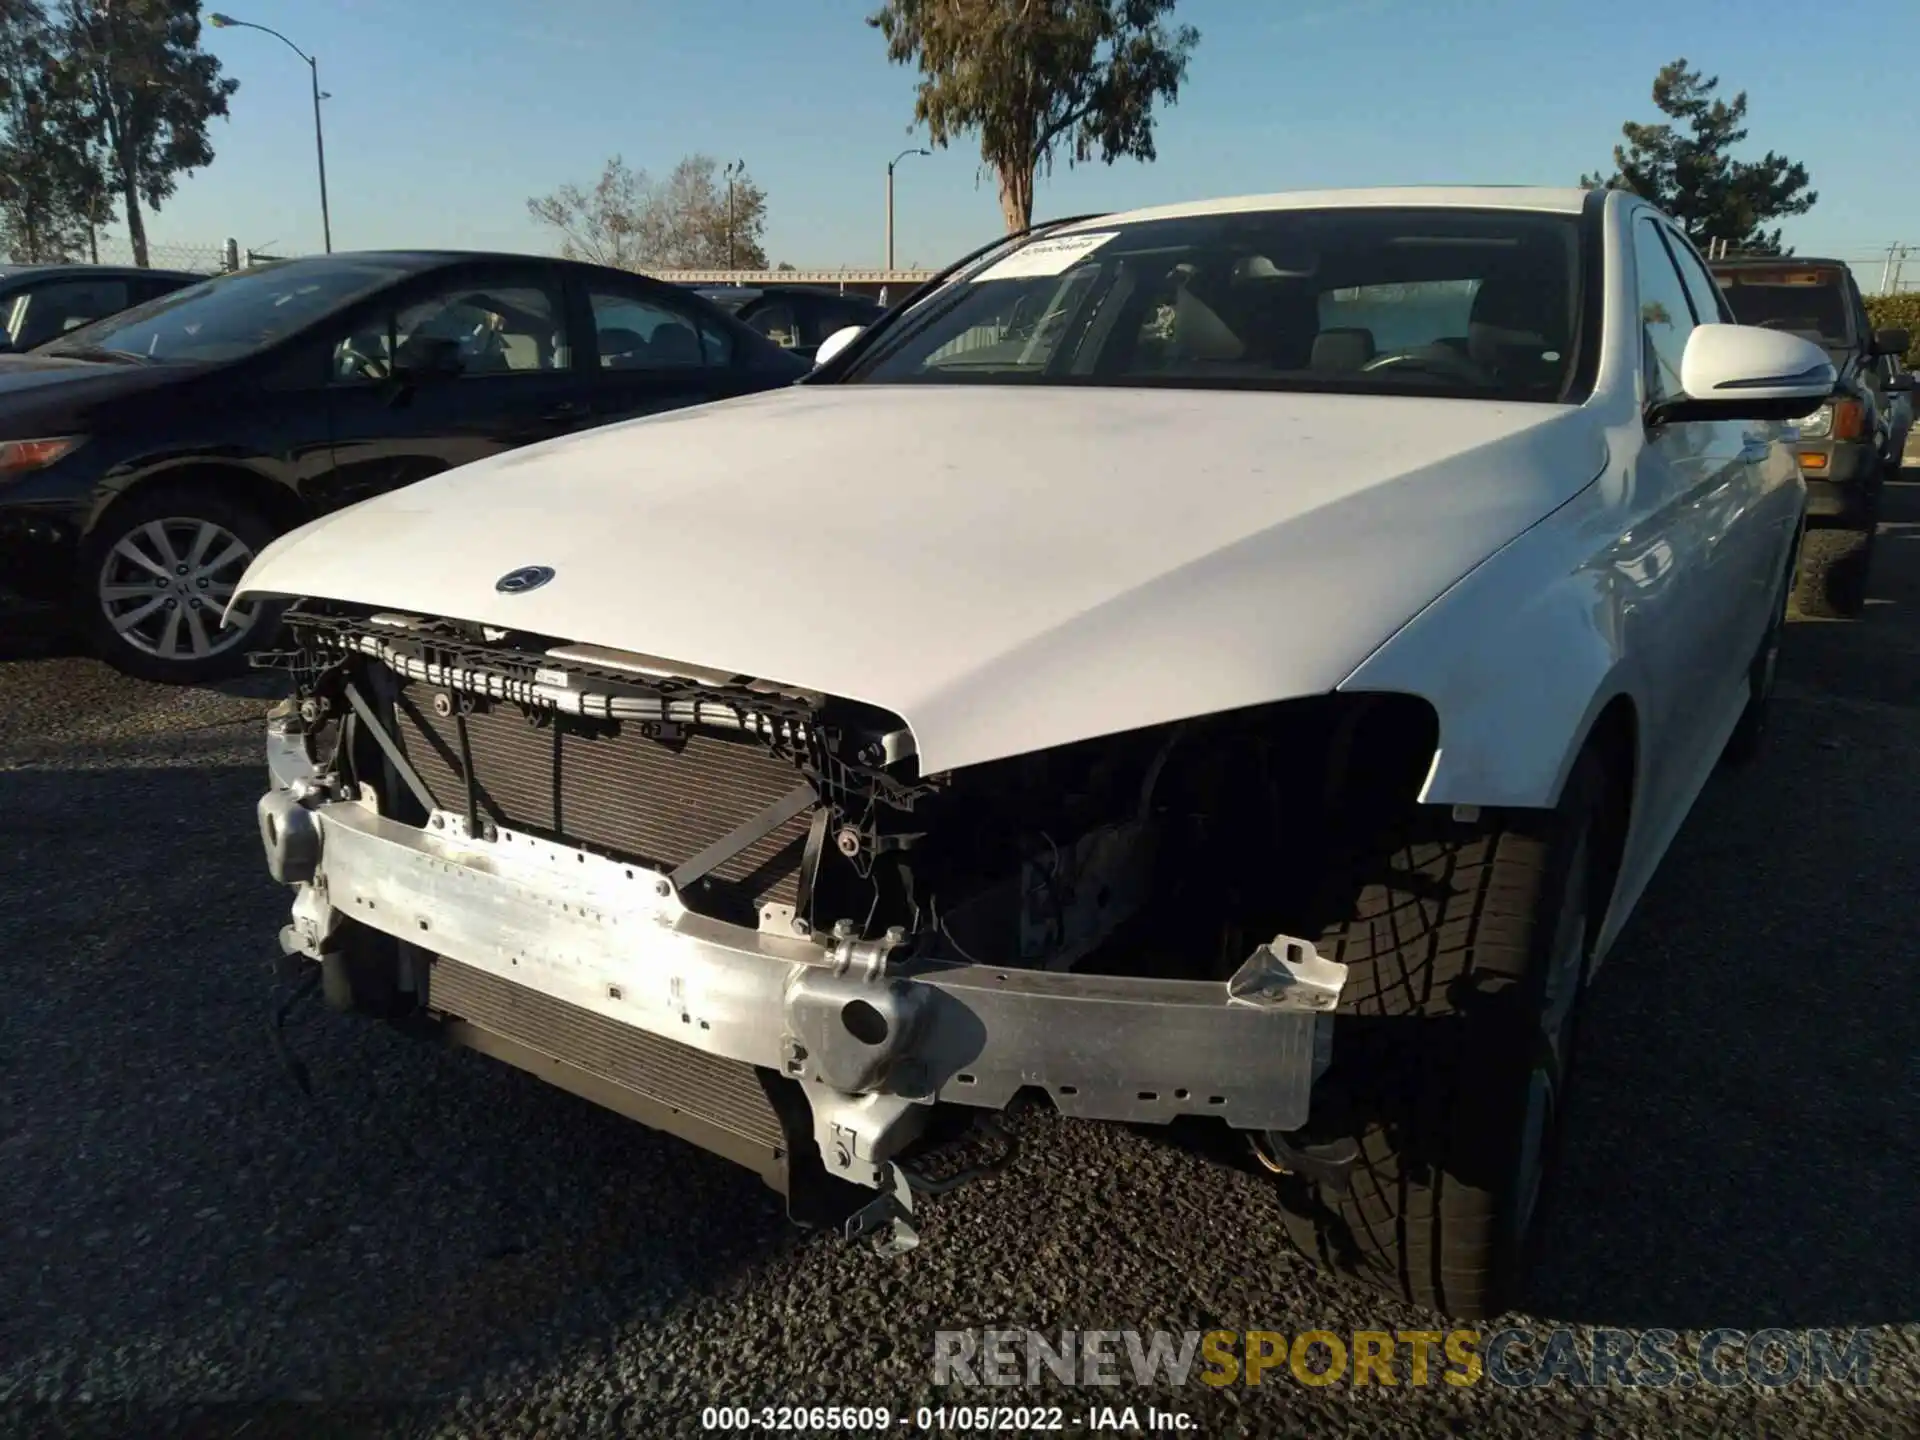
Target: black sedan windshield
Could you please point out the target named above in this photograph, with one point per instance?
(1434, 301)
(231, 316)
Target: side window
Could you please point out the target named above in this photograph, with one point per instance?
(49, 311)
(1709, 305)
(1665, 319)
(830, 314)
(471, 328)
(1862, 322)
(776, 321)
(641, 333)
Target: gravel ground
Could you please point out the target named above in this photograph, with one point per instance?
(436, 1245)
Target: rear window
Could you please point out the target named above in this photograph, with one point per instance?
(1802, 300)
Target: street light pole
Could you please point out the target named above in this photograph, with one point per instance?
(320, 156)
(227, 22)
(910, 150)
(738, 167)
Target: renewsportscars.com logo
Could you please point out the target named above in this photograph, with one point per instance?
(1518, 1358)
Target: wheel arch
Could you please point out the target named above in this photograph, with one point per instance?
(233, 479)
(1614, 740)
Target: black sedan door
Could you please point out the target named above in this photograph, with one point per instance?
(652, 350)
(452, 368)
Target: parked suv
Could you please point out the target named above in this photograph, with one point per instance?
(1851, 445)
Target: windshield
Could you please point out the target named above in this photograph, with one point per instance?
(1430, 301)
(1810, 303)
(228, 317)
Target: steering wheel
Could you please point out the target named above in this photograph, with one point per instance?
(1441, 359)
(356, 365)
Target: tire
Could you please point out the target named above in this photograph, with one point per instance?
(147, 541)
(1467, 943)
(1833, 573)
(1743, 745)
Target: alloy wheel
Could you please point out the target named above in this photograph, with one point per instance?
(164, 587)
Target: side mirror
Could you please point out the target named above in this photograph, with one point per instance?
(836, 342)
(1741, 372)
(1892, 341)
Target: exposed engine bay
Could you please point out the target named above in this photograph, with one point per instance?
(917, 918)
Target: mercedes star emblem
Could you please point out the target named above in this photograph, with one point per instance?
(527, 577)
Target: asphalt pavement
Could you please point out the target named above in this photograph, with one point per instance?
(438, 1245)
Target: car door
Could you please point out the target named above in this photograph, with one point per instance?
(1763, 512)
(1691, 481)
(647, 350)
(452, 368)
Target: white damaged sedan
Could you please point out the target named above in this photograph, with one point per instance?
(1240, 660)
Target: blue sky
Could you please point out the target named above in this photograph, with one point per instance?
(446, 114)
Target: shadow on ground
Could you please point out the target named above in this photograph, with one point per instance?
(173, 1206)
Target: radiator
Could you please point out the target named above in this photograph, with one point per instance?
(607, 786)
(721, 1105)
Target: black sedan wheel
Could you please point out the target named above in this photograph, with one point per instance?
(161, 569)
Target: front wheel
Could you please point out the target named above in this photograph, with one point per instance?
(156, 576)
(1467, 947)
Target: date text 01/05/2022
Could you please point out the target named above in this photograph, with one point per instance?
(936, 1419)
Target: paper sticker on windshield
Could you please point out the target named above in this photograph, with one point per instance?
(1046, 257)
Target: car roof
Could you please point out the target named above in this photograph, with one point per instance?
(422, 261)
(397, 259)
(1568, 200)
(104, 272)
(1775, 262)
(715, 288)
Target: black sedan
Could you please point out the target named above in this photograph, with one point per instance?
(145, 459)
(794, 317)
(39, 303)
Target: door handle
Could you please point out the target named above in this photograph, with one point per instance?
(565, 410)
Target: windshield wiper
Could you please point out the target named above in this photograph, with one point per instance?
(96, 352)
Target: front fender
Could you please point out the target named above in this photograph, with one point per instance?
(1519, 657)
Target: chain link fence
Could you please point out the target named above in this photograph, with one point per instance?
(165, 255)
(206, 259)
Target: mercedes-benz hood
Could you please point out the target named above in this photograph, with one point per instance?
(1005, 568)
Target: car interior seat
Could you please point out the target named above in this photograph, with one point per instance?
(1521, 325)
(621, 349)
(1342, 349)
(674, 343)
